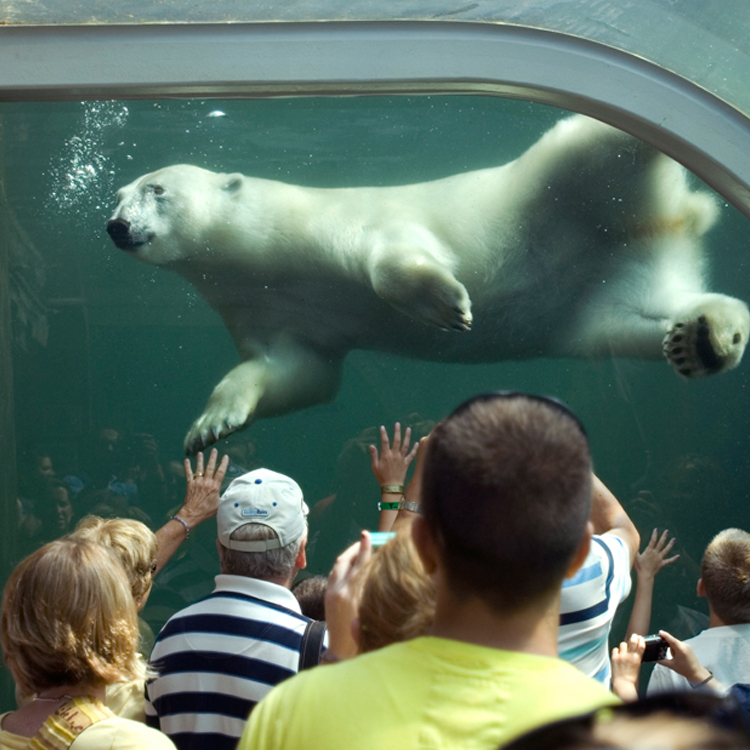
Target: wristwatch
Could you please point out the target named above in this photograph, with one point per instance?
(410, 505)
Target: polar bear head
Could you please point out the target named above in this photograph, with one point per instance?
(170, 215)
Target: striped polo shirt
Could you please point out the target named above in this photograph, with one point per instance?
(218, 657)
(589, 602)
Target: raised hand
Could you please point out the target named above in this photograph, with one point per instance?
(626, 665)
(342, 598)
(203, 488)
(654, 556)
(390, 466)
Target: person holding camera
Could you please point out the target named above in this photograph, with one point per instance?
(724, 647)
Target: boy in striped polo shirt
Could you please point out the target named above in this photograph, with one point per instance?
(591, 597)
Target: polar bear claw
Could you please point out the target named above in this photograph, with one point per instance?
(216, 423)
(708, 339)
(423, 290)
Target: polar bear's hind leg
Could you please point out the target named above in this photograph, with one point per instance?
(708, 337)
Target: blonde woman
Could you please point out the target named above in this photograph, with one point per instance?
(134, 544)
(142, 554)
(69, 628)
(398, 597)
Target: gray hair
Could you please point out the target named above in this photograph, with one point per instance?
(273, 563)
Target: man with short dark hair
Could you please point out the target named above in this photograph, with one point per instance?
(218, 657)
(506, 498)
(724, 647)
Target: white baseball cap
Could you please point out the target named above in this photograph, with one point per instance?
(264, 497)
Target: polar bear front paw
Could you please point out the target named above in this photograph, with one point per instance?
(424, 291)
(446, 305)
(216, 423)
(709, 338)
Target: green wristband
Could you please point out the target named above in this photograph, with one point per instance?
(388, 506)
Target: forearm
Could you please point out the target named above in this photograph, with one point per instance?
(640, 617)
(341, 643)
(201, 502)
(412, 497)
(174, 532)
(342, 599)
(391, 496)
(387, 519)
(608, 516)
(606, 511)
(168, 538)
(624, 689)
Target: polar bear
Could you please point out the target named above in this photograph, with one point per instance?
(587, 245)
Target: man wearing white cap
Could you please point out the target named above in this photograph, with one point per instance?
(218, 657)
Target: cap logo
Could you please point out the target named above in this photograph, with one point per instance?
(254, 512)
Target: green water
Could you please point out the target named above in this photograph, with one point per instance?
(133, 347)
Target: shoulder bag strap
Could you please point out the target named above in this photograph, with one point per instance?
(312, 644)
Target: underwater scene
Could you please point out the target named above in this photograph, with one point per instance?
(108, 362)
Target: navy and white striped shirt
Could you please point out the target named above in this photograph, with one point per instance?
(589, 602)
(218, 657)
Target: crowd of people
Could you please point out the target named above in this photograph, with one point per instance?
(479, 615)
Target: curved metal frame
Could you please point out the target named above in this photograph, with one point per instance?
(698, 129)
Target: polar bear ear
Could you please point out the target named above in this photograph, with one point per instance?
(233, 183)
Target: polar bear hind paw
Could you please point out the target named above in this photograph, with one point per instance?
(709, 339)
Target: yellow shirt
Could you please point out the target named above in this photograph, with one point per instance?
(127, 700)
(112, 734)
(425, 693)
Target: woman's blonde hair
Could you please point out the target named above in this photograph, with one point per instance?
(132, 541)
(68, 618)
(398, 597)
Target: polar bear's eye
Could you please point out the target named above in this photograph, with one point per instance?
(158, 190)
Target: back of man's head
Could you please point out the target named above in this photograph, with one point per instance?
(262, 524)
(507, 494)
(725, 571)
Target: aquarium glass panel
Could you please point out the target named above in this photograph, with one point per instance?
(107, 361)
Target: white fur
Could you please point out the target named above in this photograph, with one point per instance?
(589, 244)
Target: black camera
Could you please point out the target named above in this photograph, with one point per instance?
(656, 648)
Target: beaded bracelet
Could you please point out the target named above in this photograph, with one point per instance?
(391, 489)
(388, 506)
(187, 528)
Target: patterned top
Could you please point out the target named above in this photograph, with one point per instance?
(85, 724)
(589, 602)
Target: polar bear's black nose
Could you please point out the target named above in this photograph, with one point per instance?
(118, 229)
